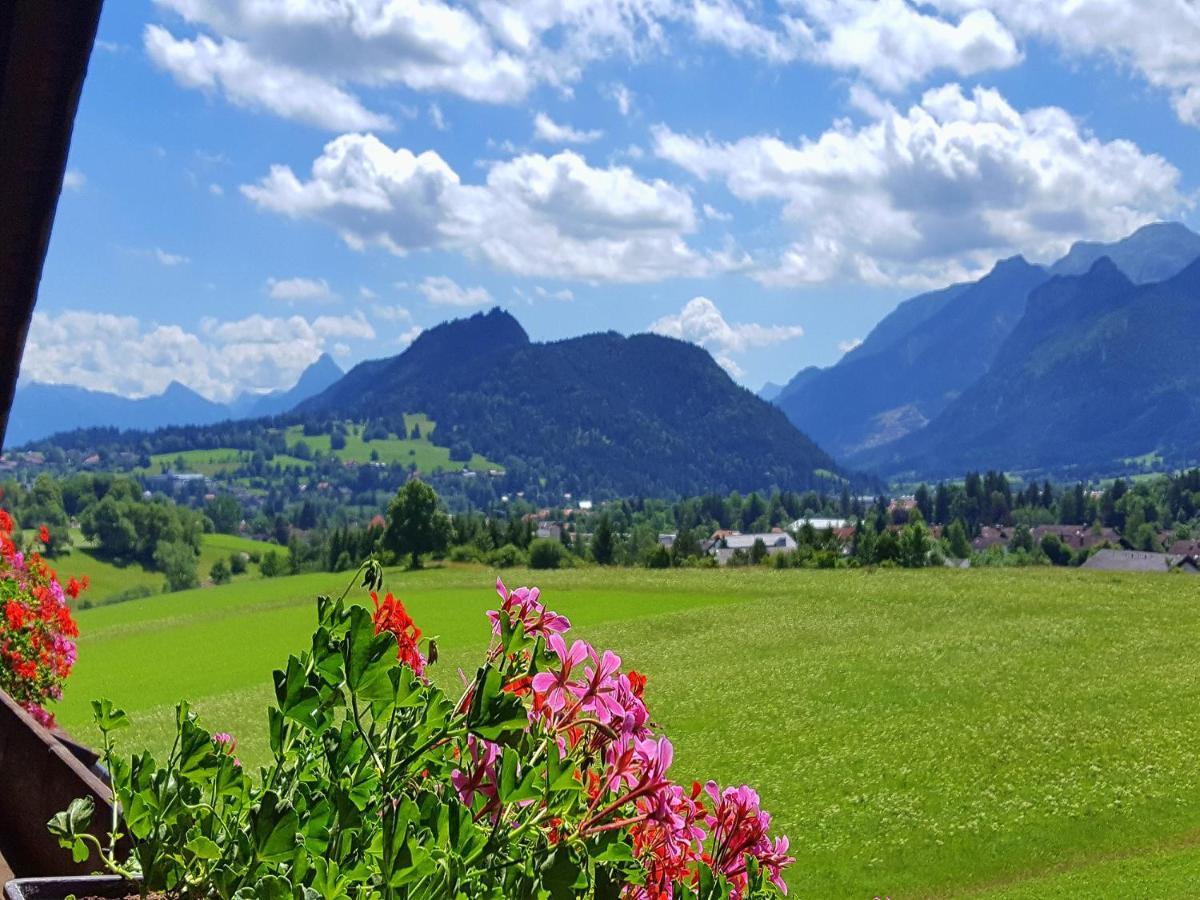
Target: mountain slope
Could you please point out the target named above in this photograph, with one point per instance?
(316, 378)
(912, 364)
(40, 410)
(1152, 253)
(1098, 371)
(644, 415)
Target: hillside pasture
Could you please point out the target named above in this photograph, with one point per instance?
(421, 452)
(1017, 732)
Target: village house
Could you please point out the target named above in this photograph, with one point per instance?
(724, 544)
(1077, 537)
(1110, 560)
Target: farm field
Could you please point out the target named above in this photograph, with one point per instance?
(1008, 732)
(427, 457)
(109, 581)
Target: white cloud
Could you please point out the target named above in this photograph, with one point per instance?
(536, 216)
(546, 129)
(1159, 39)
(893, 43)
(714, 214)
(563, 294)
(247, 79)
(390, 313)
(407, 337)
(724, 22)
(170, 259)
(937, 192)
(302, 290)
(845, 347)
(366, 293)
(303, 59)
(123, 355)
(443, 291)
(216, 190)
(74, 180)
(437, 117)
(622, 96)
(701, 322)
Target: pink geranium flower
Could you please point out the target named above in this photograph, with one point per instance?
(555, 688)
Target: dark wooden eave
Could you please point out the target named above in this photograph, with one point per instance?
(44, 50)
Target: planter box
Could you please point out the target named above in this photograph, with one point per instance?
(40, 776)
(61, 888)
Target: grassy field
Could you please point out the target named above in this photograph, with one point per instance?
(109, 580)
(425, 455)
(1014, 733)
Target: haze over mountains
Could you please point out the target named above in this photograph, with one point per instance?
(1083, 367)
(40, 410)
(963, 377)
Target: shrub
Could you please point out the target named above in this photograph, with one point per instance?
(220, 573)
(507, 556)
(465, 553)
(546, 554)
(177, 561)
(659, 557)
(271, 565)
(237, 563)
(544, 779)
(37, 647)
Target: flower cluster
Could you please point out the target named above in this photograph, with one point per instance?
(37, 649)
(595, 716)
(548, 778)
(390, 615)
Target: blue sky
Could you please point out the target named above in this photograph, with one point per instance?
(252, 184)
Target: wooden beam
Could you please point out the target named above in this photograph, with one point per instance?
(45, 46)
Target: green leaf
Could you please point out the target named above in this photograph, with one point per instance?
(203, 848)
(559, 874)
(197, 754)
(494, 713)
(274, 828)
(107, 716)
(72, 821)
(367, 656)
(298, 700)
(79, 851)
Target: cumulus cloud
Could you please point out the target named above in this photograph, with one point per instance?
(74, 180)
(893, 43)
(1158, 39)
(303, 290)
(938, 191)
(124, 355)
(701, 322)
(533, 215)
(546, 129)
(407, 337)
(441, 290)
(305, 59)
(845, 347)
(247, 79)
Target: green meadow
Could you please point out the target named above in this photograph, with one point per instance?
(1016, 733)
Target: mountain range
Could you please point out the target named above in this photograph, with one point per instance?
(964, 377)
(641, 415)
(40, 410)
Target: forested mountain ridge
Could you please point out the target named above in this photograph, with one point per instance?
(1100, 371)
(913, 363)
(642, 415)
(920, 358)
